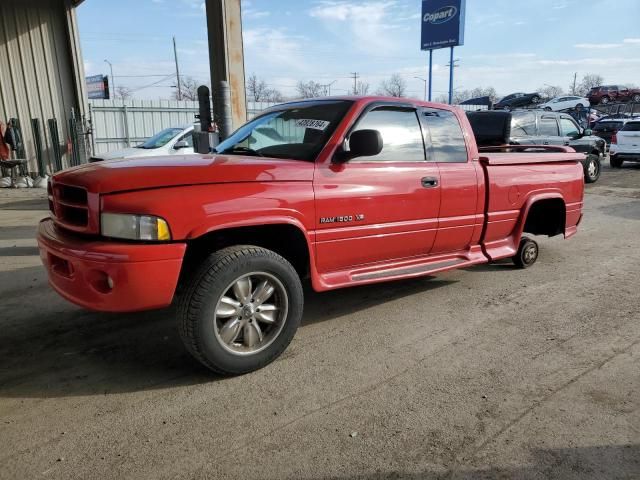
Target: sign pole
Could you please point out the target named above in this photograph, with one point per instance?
(451, 78)
(430, 70)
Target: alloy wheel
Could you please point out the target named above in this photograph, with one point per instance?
(251, 313)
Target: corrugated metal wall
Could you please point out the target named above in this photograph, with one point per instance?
(118, 124)
(37, 73)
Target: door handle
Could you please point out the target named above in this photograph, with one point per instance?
(545, 143)
(566, 142)
(429, 182)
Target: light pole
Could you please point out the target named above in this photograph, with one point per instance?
(113, 81)
(425, 87)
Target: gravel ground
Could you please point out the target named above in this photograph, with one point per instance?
(487, 372)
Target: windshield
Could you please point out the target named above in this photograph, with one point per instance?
(160, 139)
(298, 132)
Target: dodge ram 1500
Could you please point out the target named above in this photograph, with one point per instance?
(343, 191)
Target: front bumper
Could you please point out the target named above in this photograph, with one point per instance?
(110, 276)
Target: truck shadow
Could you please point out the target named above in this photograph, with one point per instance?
(50, 348)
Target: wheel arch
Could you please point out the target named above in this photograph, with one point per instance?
(285, 236)
(544, 214)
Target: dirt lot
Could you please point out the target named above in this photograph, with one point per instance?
(488, 372)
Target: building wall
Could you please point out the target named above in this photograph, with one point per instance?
(41, 72)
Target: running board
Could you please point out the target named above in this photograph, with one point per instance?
(401, 269)
(417, 270)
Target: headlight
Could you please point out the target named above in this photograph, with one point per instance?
(134, 227)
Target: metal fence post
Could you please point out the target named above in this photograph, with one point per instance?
(126, 125)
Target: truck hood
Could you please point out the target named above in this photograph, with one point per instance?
(126, 153)
(170, 171)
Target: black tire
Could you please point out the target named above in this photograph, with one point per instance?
(615, 162)
(636, 97)
(527, 253)
(199, 301)
(604, 100)
(592, 168)
(547, 109)
(535, 99)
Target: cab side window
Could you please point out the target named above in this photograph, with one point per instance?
(548, 127)
(444, 136)
(569, 128)
(401, 134)
(187, 138)
(523, 124)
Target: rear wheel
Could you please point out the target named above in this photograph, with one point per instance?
(592, 169)
(615, 162)
(604, 100)
(240, 309)
(547, 109)
(535, 99)
(636, 97)
(527, 253)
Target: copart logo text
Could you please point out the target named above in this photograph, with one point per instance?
(441, 15)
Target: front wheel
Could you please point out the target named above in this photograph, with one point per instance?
(241, 309)
(604, 100)
(527, 253)
(592, 169)
(636, 97)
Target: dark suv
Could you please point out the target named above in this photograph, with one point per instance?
(612, 93)
(552, 128)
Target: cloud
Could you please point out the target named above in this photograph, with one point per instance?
(275, 46)
(366, 25)
(252, 14)
(597, 45)
(631, 40)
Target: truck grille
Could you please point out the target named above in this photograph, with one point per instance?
(69, 206)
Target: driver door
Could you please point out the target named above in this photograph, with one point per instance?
(379, 208)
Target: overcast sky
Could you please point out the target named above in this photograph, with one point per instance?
(510, 45)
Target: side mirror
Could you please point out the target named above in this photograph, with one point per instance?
(587, 132)
(181, 144)
(363, 143)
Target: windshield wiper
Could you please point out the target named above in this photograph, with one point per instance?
(239, 149)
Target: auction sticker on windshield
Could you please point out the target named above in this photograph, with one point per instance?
(309, 123)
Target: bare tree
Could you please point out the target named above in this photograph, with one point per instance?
(310, 89)
(550, 91)
(589, 81)
(123, 93)
(460, 96)
(188, 89)
(394, 86)
(362, 88)
(261, 92)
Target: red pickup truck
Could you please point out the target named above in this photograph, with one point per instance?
(343, 191)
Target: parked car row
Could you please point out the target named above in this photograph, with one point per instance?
(541, 127)
(625, 144)
(613, 93)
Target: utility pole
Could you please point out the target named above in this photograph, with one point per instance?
(175, 56)
(573, 90)
(425, 87)
(113, 81)
(355, 82)
(451, 65)
(327, 88)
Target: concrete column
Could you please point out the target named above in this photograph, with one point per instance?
(226, 56)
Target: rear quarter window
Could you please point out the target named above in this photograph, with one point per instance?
(631, 127)
(444, 137)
